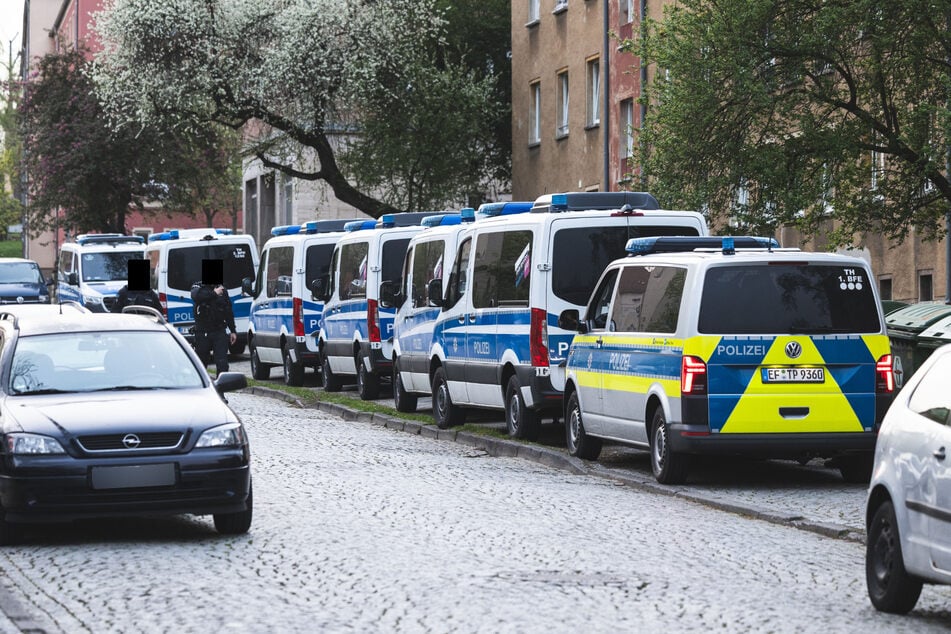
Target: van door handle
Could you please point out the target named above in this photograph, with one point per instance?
(599, 341)
(939, 453)
(462, 319)
(472, 319)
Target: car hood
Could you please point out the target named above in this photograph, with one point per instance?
(26, 289)
(99, 412)
(106, 288)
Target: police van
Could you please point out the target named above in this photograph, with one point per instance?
(428, 257)
(175, 259)
(698, 346)
(92, 269)
(497, 334)
(356, 331)
(284, 316)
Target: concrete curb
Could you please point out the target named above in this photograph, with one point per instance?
(505, 448)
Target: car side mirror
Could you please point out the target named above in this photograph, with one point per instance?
(318, 289)
(568, 320)
(247, 286)
(388, 294)
(434, 292)
(72, 278)
(230, 381)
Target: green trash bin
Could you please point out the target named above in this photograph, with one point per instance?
(905, 327)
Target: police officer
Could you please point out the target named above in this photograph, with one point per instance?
(213, 317)
(146, 297)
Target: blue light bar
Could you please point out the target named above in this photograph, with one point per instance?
(386, 221)
(728, 248)
(467, 214)
(108, 238)
(441, 220)
(559, 202)
(310, 226)
(672, 244)
(491, 210)
(359, 225)
(285, 230)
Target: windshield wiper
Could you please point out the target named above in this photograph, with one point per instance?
(46, 390)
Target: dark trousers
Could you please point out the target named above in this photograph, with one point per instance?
(215, 342)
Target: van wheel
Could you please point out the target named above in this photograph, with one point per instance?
(293, 372)
(368, 383)
(580, 444)
(856, 468)
(259, 371)
(331, 382)
(403, 401)
(890, 587)
(669, 467)
(521, 421)
(446, 414)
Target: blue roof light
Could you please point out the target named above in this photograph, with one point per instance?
(559, 202)
(441, 220)
(672, 244)
(285, 230)
(359, 225)
(310, 226)
(491, 210)
(386, 221)
(467, 214)
(728, 248)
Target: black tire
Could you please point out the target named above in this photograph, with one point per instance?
(446, 414)
(259, 371)
(579, 444)
(669, 467)
(520, 421)
(10, 534)
(236, 523)
(331, 382)
(293, 372)
(403, 401)
(890, 587)
(368, 383)
(856, 468)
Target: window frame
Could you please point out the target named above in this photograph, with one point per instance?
(593, 92)
(534, 113)
(563, 104)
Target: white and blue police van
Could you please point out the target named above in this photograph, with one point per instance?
(428, 257)
(175, 264)
(285, 317)
(93, 268)
(497, 335)
(356, 331)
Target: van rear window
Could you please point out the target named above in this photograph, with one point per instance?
(184, 264)
(812, 299)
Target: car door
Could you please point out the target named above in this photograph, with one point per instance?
(452, 324)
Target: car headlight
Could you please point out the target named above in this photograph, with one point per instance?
(230, 435)
(32, 444)
(92, 299)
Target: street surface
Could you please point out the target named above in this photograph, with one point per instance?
(359, 528)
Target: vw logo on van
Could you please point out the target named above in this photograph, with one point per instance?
(793, 350)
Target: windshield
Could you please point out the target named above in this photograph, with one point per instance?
(87, 362)
(20, 273)
(108, 266)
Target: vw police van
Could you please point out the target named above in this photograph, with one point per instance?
(92, 269)
(356, 331)
(696, 346)
(497, 334)
(175, 259)
(285, 318)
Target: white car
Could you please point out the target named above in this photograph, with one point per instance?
(908, 514)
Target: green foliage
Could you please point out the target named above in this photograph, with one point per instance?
(11, 248)
(768, 112)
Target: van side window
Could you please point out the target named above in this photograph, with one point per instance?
(280, 270)
(502, 273)
(458, 280)
(597, 315)
(316, 263)
(332, 282)
(353, 270)
(648, 299)
(427, 266)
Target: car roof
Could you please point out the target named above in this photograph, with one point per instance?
(744, 256)
(16, 260)
(51, 322)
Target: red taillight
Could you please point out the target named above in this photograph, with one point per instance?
(373, 325)
(163, 300)
(298, 317)
(884, 374)
(538, 338)
(693, 375)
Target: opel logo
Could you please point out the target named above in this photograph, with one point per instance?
(131, 441)
(20, 299)
(793, 350)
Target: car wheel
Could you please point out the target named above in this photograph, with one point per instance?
(10, 534)
(856, 468)
(446, 414)
(235, 523)
(259, 371)
(669, 467)
(368, 383)
(293, 372)
(521, 421)
(890, 588)
(331, 382)
(579, 444)
(403, 401)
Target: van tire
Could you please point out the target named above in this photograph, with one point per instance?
(368, 383)
(580, 444)
(856, 468)
(259, 371)
(293, 372)
(331, 382)
(669, 467)
(403, 401)
(521, 422)
(890, 587)
(446, 414)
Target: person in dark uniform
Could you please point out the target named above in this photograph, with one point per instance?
(137, 290)
(213, 319)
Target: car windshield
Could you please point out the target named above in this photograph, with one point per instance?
(98, 361)
(20, 273)
(108, 266)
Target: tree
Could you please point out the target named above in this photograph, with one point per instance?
(796, 111)
(329, 84)
(10, 208)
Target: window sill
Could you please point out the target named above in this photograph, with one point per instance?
(534, 144)
(593, 126)
(532, 23)
(561, 135)
(561, 8)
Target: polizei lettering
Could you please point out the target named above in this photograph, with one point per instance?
(742, 349)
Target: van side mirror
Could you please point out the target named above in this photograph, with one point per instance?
(72, 278)
(434, 292)
(318, 289)
(568, 320)
(389, 294)
(247, 286)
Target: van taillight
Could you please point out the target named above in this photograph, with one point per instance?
(298, 317)
(163, 300)
(693, 375)
(373, 325)
(884, 374)
(538, 338)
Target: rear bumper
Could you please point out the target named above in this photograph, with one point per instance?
(696, 439)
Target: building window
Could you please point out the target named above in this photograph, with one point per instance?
(593, 93)
(627, 11)
(878, 168)
(288, 199)
(925, 287)
(562, 129)
(627, 128)
(533, 12)
(885, 287)
(560, 5)
(535, 114)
